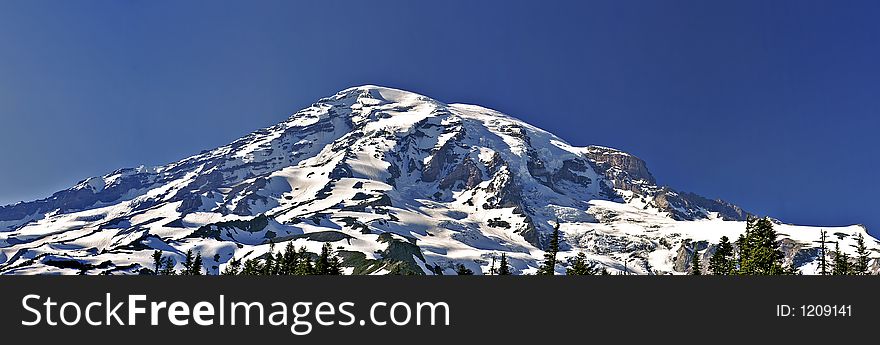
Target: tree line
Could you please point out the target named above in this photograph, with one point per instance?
(757, 252)
(287, 262)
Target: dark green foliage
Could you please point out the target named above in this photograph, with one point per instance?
(759, 253)
(188, 263)
(327, 263)
(503, 267)
(463, 271)
(168, 267)
(696, 267)
(232, 268)
(860, 267)
(269, 265)
(288, 260)
(580, 267)
(196, 269)
(157, 261)
(548, 267)
(823, 265)
(252, 267)
(842, 265)
(722, 262)
(304, 266)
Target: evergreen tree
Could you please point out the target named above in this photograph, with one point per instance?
(549, 265)
(252, 267)
(269, 266)
(722, 262)
(503, 267)
(168, 267)
(188, 263)
(580, 267)
(759, 252)
(823, 265)
(492, 267)
(322, 265)
(289, 260)
(463, 271)
(196, 265)
(841, 262)
(696, 268)
(279, 264)
(304, 265)
(860, 267)
(232, 268)
(604, 272)
(157, 261)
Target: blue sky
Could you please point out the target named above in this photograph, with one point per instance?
(771, 105)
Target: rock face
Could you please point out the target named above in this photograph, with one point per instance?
(398, 183)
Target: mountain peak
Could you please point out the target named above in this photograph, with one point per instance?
(398, 183)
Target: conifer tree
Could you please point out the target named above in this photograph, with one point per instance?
(549, 265)
(188, 263)
(492, 267)
(580, 267)
(269, 265)
(289, 260)
(860, 267)
(232, 268)
(196, 265)
(279, 264)
(252, 267)
(841, 262)
(168, 267)
(157, 261)
(304, 263)
(823, 265)
(722, 261)
(461, 270)
(696, 268)
(604, 272)
(322, 265)
(503, 267)
(759, 252)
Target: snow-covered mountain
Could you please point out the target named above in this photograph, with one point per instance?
(398, 183)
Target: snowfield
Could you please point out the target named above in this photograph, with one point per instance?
(398, 183)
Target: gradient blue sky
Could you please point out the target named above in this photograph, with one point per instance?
(772, 105)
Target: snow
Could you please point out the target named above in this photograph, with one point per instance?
(353, 163)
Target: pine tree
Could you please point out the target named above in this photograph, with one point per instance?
(322, 265)
(289, 260)
(860, 267)
(334, 266)
(580, 267)
(269, 266)
(252, 267)
(492, 267)
(503, 267)
(187, 263)
(463, 271)
(841, 262)
(168, 267)
(696, 268)
(604, 272)
(196, 265)
(157, 261)
(823, 265)
(304, 265)
(549, 265)
(759, 252)
(722, 262)
(232, 268)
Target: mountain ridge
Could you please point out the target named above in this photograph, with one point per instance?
(460, 182)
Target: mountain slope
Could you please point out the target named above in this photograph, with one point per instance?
(398, 183)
